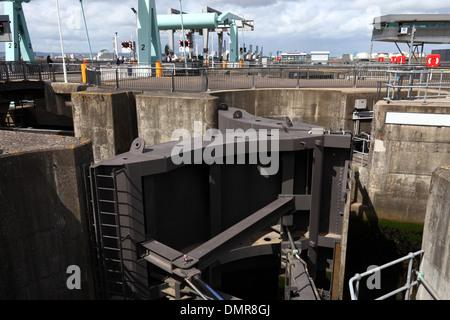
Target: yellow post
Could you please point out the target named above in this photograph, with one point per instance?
(158, 68)
(83, 71)
(240, 63)
(224, 64)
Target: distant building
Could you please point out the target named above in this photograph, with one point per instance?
(294, 57)
(105, 55)
(320, 57)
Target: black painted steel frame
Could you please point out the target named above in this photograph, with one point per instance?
(185, 220)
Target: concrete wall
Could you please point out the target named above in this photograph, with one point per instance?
(43, 227)
(58, 97)
(107, 118)
(402, 159)
(112, 119)
(330, 108)
(436, 237)
(160, 114)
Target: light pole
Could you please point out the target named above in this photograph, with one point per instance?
(61, 40)
(182, 35)
(137, 33)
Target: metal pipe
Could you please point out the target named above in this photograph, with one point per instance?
(86, 28)
(183, 35)
(430, 290)
(357, 277)
(61, 40)
(195, 289)
(210, 289)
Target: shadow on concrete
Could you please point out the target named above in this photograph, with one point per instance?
(43, 229)
(368, 245)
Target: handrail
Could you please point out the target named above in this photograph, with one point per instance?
(418, 83)
(357, 277)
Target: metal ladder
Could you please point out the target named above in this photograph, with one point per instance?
(106, 235)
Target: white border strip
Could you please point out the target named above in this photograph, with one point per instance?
(418, 119)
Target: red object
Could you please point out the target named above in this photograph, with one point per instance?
(394, 59)
(401, 59)
(433, 60)
(278, 58)
(380, 59)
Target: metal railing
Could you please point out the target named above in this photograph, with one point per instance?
(234, 77)
(14, 71)
(418, 85)
(361, 144)
(354, 289)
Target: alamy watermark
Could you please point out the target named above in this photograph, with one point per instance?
(234, 146)
(74, 280)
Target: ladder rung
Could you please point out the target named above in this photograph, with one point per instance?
(111, 237)
(109, 248)
(104, 188)
(113, 271)
(114, 260)
(115, 282)
(107, 201)
(104, 176)
(108, 213)
(109, 225)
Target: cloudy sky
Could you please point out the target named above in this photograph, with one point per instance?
(338, 26)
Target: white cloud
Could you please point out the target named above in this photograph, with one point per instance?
(279, 24)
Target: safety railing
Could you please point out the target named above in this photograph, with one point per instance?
(418, 85)
(14, 71)
(232, 76)
(355, 280)
(361, 144)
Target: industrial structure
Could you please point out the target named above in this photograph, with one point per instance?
(415, 30)
(224, 229)
(18, 41)
(150, 24)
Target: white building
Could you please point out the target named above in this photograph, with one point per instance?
(320, 57)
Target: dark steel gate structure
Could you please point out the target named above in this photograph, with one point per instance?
(223, 230)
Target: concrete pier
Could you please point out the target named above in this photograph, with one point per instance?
(160, 114)
(107, 118)
(44, 228)
(436, 237)
(401, 161)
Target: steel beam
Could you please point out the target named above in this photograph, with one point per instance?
(207, 253)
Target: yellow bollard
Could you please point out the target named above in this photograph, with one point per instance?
(240, 63)
(224, 64)
(158, 68)
(83, 71)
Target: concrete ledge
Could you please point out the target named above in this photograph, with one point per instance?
(44, 228)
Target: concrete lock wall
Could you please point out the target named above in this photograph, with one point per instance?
(329, 108)
(402, 159)
(436, 237)
(112, 119)
(160, 114)
(107, 118)
(43, 227)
